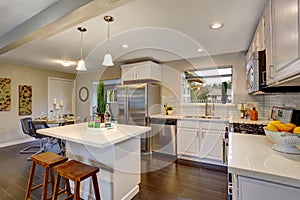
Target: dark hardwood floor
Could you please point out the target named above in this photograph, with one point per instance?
(161, 178)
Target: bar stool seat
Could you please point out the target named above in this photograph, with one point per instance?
(76, 172)
(46, 160)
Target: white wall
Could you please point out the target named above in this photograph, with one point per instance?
(10, 129)
(172, 79)
(86, 79)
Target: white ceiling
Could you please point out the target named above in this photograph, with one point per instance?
(161, 30)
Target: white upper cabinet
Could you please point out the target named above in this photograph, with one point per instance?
(268, 43)
(286, 38)
(141, 72)
(278, 34)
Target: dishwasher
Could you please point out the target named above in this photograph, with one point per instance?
(164, 136)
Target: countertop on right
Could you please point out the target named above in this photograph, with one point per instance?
(252, 156)
(230, 119)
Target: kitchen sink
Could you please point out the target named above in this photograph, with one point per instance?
(203, 117)
(210, 117)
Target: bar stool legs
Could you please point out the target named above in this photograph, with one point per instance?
(96, 186)
(76, 172)
(46, 160)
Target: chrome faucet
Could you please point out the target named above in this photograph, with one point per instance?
(209, 110)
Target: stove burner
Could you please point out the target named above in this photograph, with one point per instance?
(256, 129)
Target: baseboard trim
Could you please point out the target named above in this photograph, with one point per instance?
(16, 142)
(202, 164)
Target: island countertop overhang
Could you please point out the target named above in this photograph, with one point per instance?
(101, 138)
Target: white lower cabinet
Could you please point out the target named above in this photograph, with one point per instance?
(188, 138)
(254, 189)
(187, 142)
(200, 140)
(211, 144)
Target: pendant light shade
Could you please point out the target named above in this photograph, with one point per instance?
(107, 60)
(81, 66)
(81, 63)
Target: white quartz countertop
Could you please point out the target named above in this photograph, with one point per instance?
(98, 138)
(252, 156)
(230, 119)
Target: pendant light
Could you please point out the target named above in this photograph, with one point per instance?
(81, 63)
(107, 61)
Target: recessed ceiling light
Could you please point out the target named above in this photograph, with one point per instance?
(216, 26)
(125, 46)
(66, 63)
(199, 50)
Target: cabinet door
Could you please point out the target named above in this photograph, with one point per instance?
(268, 43)
(143, 72)
(250, 189)
(211, 144)
(285, 35)
(187, 142)
(128, 73)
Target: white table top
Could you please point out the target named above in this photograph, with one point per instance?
(98, 138)
(252, 156)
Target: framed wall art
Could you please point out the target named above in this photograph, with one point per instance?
(5, 94)
(25, 100)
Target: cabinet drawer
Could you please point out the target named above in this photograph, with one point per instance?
(211, 125)
(188, 123)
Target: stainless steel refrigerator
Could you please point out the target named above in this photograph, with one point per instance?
(136, 102)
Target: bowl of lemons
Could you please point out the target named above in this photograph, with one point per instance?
(286, 136)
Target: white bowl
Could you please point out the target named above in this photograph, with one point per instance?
(285, 142)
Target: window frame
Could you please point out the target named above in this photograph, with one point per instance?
(186, 96)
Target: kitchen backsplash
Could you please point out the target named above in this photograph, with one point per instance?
(265, 104)
(281, 100)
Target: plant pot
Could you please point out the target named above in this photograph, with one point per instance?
(170, 112)
(101, 117)
(223, 100)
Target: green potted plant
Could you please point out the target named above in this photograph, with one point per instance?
(224, 92)
(101, 100)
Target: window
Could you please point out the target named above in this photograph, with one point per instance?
(212, 84)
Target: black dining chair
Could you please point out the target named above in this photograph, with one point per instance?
(30, 129)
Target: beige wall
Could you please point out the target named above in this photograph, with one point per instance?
(10, 129)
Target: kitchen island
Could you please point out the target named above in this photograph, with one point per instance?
(260, 173)
(115, 151)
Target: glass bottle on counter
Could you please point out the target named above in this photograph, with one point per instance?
(97, 122)
(107, 117)
(242, 111)
(254, 114)
(90, 122)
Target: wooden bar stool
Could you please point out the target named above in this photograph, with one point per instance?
(46, 160)
(77, 172)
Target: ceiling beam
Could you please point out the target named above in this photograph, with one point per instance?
(60, 16)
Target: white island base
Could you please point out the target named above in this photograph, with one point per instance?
(115, 151)
(119, 164)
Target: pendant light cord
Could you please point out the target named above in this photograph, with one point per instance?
(81, 46)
